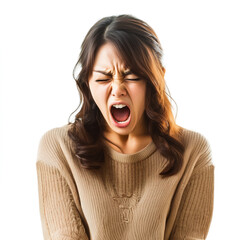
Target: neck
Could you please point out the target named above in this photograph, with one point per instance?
(130, 146)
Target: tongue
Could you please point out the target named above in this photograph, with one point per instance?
(120, 114)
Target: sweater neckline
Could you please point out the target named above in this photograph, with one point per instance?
(131, 158)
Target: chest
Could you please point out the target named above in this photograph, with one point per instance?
(126, 197)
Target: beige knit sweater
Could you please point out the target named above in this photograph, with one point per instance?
(126, 199)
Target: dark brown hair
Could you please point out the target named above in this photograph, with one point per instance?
(140, 49)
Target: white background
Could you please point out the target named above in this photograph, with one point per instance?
(39, 46)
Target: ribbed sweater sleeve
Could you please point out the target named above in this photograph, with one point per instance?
(59, 215)
(195, 211)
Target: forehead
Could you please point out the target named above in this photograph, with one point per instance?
(109, 60)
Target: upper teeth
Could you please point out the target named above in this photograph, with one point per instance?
(119, 105)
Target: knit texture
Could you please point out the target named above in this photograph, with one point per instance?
(126, 199)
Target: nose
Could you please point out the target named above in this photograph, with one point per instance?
(118, 88)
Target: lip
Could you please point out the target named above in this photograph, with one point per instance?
(117, 124)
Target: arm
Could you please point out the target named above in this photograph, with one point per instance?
(195, 211)
(59, 215)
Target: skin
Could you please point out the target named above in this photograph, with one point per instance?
(116, 87)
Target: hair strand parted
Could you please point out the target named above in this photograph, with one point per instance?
(140, 49)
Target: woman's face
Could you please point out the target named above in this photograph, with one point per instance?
(118, 93)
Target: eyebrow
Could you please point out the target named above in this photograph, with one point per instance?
(124, 73)
(128, 72)
(103, 72)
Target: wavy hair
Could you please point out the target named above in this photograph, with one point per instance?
(140, 49)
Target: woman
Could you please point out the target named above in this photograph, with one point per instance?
(124, 169)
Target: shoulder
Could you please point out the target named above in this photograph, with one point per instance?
(52, 143)
(55, 134)
(194, 139)
(197, 149)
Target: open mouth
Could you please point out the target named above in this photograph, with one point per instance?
(121, 114)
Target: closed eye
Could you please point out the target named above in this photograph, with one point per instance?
(102, 80)
(129, 79)
(133, 79)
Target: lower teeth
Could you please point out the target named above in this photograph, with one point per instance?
(123, 121)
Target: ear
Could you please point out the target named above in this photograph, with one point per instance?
(164, 70)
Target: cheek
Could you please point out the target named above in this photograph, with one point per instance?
(98, 94)
(139, 95)
(94, 94)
